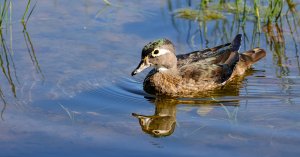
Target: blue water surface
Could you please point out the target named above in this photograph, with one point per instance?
(75, 95)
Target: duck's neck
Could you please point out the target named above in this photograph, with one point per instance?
(168, 70)
(162, 69)
(169, 64)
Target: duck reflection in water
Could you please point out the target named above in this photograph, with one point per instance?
(163, 122)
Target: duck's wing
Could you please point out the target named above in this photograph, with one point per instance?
(218, 53)
(213, 64)
(204, 71)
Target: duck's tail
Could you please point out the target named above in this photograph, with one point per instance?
(236, 42)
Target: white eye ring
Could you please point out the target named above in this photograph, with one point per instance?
(155, 53)
(159, 52)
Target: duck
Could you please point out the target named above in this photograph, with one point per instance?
(196, 72)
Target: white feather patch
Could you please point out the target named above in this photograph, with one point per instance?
(161, 69)
(161, 52)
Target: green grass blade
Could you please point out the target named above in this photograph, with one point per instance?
(26, 11)
(30, 13)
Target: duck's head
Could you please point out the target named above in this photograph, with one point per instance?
(159, 54)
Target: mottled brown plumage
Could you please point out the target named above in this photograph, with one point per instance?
(195, 72)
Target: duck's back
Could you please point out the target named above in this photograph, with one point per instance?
(213, 65)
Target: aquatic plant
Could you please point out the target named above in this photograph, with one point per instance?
(7, 64)
(267, 10)
(24, 22)
(235, 14)
(5, 56)
(204, 15)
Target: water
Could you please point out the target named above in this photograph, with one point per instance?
(75, 95)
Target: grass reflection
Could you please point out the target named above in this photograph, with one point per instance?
(103, 9)
(31, 51)
(7, 64)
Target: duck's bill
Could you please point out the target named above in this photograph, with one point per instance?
(144, 120)
(142, 66)
(139, 115)
(136, 115)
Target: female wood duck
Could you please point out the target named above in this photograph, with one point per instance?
(195, 72)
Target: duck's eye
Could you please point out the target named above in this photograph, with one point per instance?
(155, 53)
